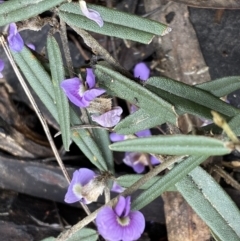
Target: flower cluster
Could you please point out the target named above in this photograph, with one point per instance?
(113, 223)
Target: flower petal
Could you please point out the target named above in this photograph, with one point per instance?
(138, 167)
(110, 118)
(107, 224)
(135, 228)
(143, 133)
(117, 188)
(114, 137)
(120, 206)
(92, 94)
(90, 78)
(1, 65)
(81, 177)
(127, 206)
(15, 40)
(71, 89)
(31, 46)
(91, 14)
(154, 160)
(141, 71)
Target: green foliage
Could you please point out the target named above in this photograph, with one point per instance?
(58, 75)
(116, 23)
(211, 203)
(174, 145)
(15, 10)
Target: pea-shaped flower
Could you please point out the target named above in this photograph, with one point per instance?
(15, 40)
(119, 222)
(80, 95)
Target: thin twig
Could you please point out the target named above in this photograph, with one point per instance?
(63, 35)
(127, 192)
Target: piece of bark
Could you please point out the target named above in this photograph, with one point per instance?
(183, 224)
(180, 58)
(15, 135)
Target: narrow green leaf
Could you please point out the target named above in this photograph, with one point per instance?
(101, 138)
(128, 180)
(221, 87)
(84, 234)
(84, 140)
(211, 203)
(138, 121)
(37, 77)
(119, 18)
(174, 145)
(193, 94)
(58, 75)
(15, 10)
(167, 181)
(127, 89)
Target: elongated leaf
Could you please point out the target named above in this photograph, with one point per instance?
(181, 104)
(137, 121)
(221, 87)
(15, 10)
(221, 4)
(85, 234)
(174, 145)
(119, 18)
(58, 75)
(127, 89)
(84, 140)
(116, 23)
(101, 137)
(167, 181)
(49, 239)
(128, 180)
(211, 203)
(193, 94)
(37, 77)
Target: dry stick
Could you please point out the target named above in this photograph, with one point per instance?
(63, 35)
(127, 192)
(39, 114)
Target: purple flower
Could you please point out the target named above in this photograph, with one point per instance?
(15, 40)
(78, 94)
(91, 14)
(84, 187)
(136, 160)
(141, 71)
(110, 118)
(119, 222)
(1, 67)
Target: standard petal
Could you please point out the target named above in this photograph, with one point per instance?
(15, 40)
(92, 94)
(71, 89)
(143, 133)
(1, 65)
(91, 14)
(120, 206)
(114, 137)
(141, 71)
(90, 78)
(134, 230)
(110, 118)
(107, 224)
